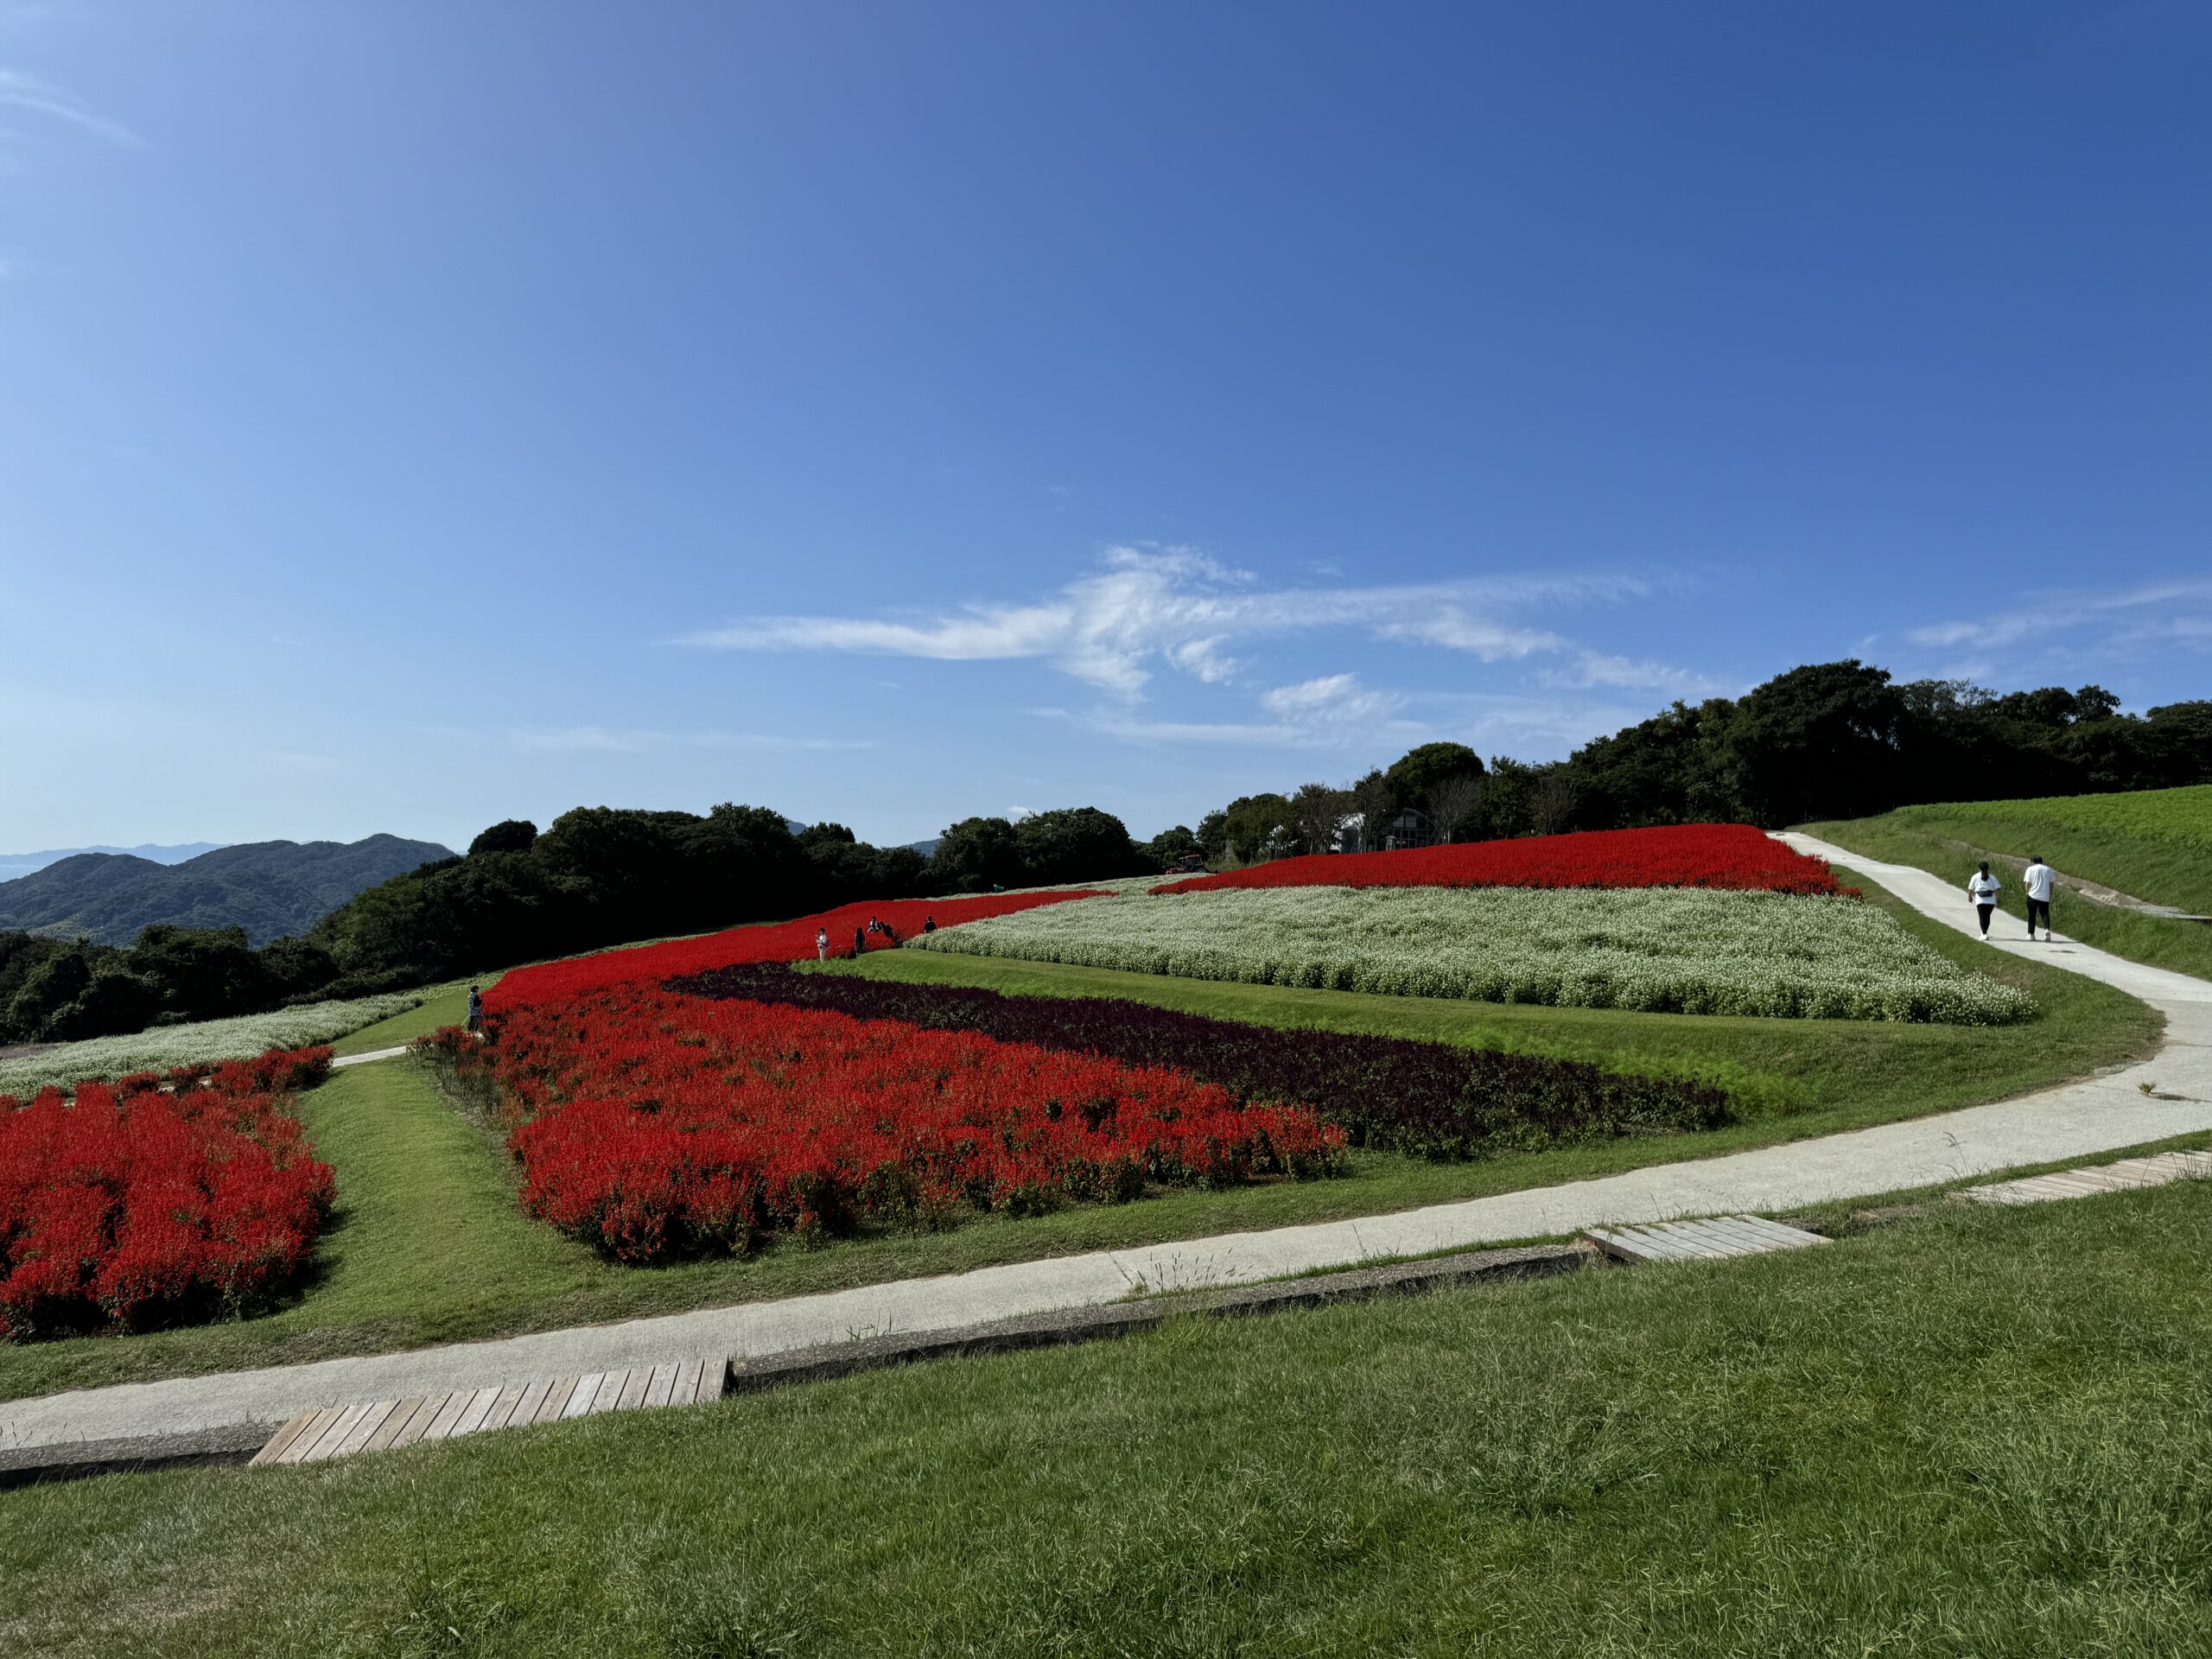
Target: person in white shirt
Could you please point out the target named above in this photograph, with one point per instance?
(2037, 879)
(822, 944)
(1981, 887)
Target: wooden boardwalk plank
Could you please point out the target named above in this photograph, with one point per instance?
(448, 1414)
(419, 1425)
(1754, 1242)
(533, 1397)
(662, 1385)
(587, 1391)
(371, 1420)
(307, 1436)
(1779, 1233)
(687, 1383)
(472, 1419)
(634, 1387)
(504, 1407)
(328, 1442)
(1700, 1241)
(554, 1405)
(714, 1379)
(401, 1410)
(282, 1437)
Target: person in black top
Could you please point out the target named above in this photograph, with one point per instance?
(860, 943)
(475, 1009)
(929, 924)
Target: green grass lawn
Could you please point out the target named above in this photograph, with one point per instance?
(430, 1245)
(2155, 845)
(1988, 1432)
(443, 1005)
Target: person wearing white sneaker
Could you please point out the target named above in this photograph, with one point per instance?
(1982, 888)
(2037, 881)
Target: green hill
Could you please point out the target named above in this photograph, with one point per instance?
(2152, 844)
(270, 888)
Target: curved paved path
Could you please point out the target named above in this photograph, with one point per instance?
(2076, 1120)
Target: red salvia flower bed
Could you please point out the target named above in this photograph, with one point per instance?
(783, 942)
(130, 1206)
(655, 1124)
(1674, 855)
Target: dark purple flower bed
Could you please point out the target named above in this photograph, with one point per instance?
(1430, 1100)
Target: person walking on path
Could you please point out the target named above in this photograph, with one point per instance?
(475, 1010)
(822, 944)
(2037, 879)
(1981, 887)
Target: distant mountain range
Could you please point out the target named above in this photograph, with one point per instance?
(269, 888)
(14, 865)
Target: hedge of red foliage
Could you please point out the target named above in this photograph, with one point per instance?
(553, 981)
(128, 1206)
(1674, 855)
(656, 1124)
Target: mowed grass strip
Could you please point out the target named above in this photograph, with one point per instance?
(430, 1245)
(1986, 1433)
(2155, 845)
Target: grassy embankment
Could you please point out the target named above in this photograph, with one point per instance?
(430, 1246)
(1984, 1434)
(2155, 845)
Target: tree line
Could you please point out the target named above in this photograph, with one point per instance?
(1826, 740)
(596, 876)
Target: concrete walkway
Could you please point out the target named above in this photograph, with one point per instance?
(2076, 1120)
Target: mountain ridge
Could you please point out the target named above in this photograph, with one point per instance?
(271, 888)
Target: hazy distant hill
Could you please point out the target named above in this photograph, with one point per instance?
(269, 888)
(13, 865)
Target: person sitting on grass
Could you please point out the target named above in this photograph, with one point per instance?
(2038, 880)
(1982, 888)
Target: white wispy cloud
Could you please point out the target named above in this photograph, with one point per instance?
(587, 740)
(28, 93)
(1179, 606)
(1592, 670)
(2178, 611)
(1333, 711)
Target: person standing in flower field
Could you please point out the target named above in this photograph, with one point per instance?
(822, 944)
(2038, 880)
(475, 1010)
(860, 943)
(1982, 888)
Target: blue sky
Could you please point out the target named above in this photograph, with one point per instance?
(415, 415)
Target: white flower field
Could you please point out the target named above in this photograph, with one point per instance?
(1664, 951)
(162, 1047)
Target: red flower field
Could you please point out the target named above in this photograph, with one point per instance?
(654, 1123)
(1674, 855)
(657, 1123)
(782, 942)
(128, 1207)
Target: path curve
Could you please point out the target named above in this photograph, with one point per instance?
(2096, 1115)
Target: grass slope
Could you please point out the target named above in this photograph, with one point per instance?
(2155, 845)
(431, 1246)
(1985, 1435)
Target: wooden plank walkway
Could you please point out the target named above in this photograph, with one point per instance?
(2123, 1177)
(341, 1431)
(1710, 1240)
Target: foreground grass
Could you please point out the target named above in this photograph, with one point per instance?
(1950, 840)
(1985, 1435)
(430, 1245)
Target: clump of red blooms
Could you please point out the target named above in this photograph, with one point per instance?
(782, 942)
(657, 1123)
(132, 1205)
(1671, 856)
